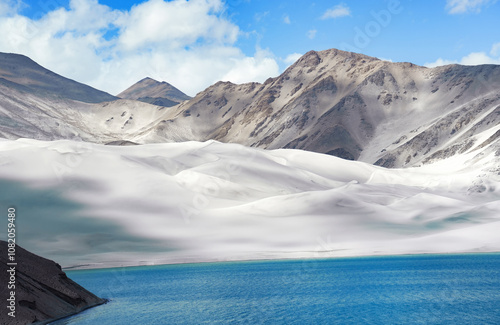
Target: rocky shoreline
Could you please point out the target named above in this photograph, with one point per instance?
(41, 292)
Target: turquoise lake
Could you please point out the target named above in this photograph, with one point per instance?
(418, 289)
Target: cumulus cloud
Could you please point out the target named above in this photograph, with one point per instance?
(65, 40)
(475, 58)
(175, 24)
(479, 58)
(439, 62)
(250, 68)
(286, 20)
(187, 43)
(465, 6)
(338, 11)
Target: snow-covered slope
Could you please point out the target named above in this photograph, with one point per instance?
(82, 203)
(28, 115)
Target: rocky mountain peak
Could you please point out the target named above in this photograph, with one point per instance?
(349, 105)
(154, 92)
(332, 56)
(148, 80)
(309, 59)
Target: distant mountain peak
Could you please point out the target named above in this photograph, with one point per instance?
(317, 57)
(148, 80)
(154, 92)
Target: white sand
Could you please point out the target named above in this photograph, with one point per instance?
(192, 201)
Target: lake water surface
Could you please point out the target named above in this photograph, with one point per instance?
(419, 289)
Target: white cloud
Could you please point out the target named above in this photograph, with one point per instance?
(495, 50)
(465, 6)
(292, 58)
(312, 33)
(176, 24)
(63, 40)
(286, 20)
(187, 43)
(257, 68)
(10, 7)
(479, 58)
(439, 62)
(475, 58)
(338, 11)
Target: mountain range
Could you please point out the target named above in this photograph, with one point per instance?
(344, 104)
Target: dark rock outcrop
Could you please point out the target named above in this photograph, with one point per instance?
(43, 292)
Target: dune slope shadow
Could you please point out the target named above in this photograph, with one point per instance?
(51, 225)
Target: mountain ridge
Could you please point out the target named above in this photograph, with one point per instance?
(340, 103)
(349, 96)
(22, 73)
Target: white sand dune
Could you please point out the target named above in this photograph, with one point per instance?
(81, 203)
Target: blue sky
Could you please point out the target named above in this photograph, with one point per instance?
(110, 44)
(417, 31)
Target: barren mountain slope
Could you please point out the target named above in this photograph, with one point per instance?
(22, 73)
(341, 103)
(349, 105)
(28, 114)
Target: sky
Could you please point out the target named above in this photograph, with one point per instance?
(111, 44)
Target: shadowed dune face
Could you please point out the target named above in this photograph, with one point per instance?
(57, 227)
